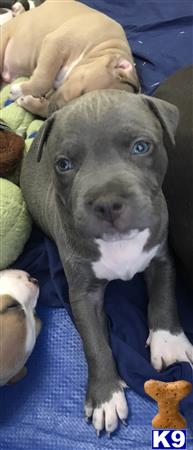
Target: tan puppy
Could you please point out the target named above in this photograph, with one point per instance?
(18, 325)
(67, 46)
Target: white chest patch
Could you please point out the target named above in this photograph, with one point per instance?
(124, 257)
(65, 71)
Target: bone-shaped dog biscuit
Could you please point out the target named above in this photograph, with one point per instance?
(168, 396)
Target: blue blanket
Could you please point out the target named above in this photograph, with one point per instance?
(48, 408)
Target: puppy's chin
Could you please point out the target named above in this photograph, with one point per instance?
(105, 231)
(27, 295)
(32, 296)
(16, 284)
(115, 237)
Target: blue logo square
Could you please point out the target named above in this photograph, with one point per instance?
(174, 439)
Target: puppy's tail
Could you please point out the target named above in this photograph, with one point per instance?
(5, 34)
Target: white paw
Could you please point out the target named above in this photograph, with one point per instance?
(167, 348)
(15, 91)
(108, 414)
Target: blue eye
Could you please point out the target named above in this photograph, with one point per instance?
(64, 165)
(140, 148)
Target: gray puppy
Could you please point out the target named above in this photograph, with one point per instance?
(92, 181)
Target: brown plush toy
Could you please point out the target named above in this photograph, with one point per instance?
(168, 396)
(11, 150)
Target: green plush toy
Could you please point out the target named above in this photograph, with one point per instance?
(13, 115)
(15, 221)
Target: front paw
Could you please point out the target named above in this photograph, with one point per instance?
(167, 348)
(105, 405)
(22, 89)
(16, 91)
(35, 105)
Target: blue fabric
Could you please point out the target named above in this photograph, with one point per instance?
(32, 135)
(45, 410)
(8, 102)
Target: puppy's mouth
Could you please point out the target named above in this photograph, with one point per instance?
(116, 236)
(33, 280)
(115, 229)
(112, 233)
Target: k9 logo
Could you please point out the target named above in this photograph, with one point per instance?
(168, 439)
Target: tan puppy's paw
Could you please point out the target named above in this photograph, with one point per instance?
(16, 91)
(35, 105)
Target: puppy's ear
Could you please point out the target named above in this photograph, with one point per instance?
(167, 114)
(125, 71)
(43, 136)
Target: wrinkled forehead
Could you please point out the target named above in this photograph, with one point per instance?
(109, 112)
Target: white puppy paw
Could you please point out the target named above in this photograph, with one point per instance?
(107, 415)
(15, 91)
(167, 348)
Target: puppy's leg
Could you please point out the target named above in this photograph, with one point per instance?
(105, 400)
(167, 341)
(50, 60)
(38, 106)
(5, 34)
